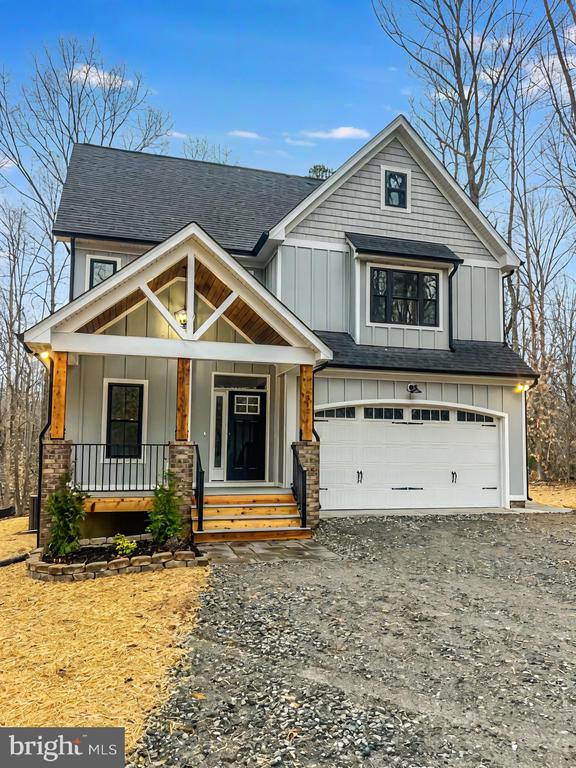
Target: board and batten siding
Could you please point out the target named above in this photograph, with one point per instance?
(496, 397)
(315, 283)
(356, 207)
(81, 263)
(477, 304)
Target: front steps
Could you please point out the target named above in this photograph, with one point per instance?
(250, 517)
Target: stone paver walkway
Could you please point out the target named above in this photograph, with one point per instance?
(266, 551)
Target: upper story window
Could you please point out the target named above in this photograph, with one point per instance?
(396, 188)
(404, 297)
(100, 269)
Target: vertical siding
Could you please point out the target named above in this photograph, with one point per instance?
(496, 397)
(81, 264)
(477, 297)
(356, 206)
(315, 284)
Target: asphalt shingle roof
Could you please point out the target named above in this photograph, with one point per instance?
(139, 196)
(395, 246)
(487, 358)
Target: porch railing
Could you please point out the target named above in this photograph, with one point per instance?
(106, 467)
(199, 491)
(299, 485)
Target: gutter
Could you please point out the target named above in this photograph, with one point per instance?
(450, 307)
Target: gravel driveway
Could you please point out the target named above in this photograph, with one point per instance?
(431, 642)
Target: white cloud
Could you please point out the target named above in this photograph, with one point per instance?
(343, 132)
(246, 135)
(99, 78)
(406, 92)
(299, 142)
(177, 135)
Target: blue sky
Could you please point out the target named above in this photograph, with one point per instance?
(281, 69)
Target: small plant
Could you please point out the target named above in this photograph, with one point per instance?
(65, 509)
(165, 521)
(124, 546)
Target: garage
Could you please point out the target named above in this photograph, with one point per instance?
(416, 455)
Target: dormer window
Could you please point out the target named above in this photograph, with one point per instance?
(396, 188)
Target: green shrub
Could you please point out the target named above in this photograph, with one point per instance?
(165, 521)
(123, 546)
(65, 509)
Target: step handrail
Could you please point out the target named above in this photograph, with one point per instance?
(299, 485)
(199, 491)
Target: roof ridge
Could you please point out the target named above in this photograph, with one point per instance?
(190, 160)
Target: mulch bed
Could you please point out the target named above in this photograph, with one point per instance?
(95, 554)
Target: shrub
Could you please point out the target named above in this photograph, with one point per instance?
(165, 521)
(65, 509)
(124, 546)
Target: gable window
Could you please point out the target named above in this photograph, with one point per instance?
(124, 420)
(100, 269)
(396, 188)
(403, 298)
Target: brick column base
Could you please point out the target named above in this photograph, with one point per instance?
(309, 455)
(181, 463)
(56, 461)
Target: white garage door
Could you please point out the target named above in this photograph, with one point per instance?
(405, 457)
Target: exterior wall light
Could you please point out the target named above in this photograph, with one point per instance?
(182, 317)
(45, 354)
(521, 388)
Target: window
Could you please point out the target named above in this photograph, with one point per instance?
(100, 270)
(396, 184)
(403, 298)
(247, 404)
(384, 413)
(430, 414)
(337, 413)
(218, 421)
(468, 416)
(124, 421)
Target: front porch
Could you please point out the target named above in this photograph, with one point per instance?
(187, 366)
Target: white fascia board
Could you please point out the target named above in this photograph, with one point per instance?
(417, 376)
(145, 346)
(127, 278)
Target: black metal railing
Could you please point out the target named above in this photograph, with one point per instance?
(299, 485)
(108, 467)
(199, 491)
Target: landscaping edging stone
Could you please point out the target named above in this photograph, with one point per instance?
(41, 571)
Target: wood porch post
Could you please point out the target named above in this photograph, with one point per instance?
(306, 406)
(59, 380)
(183, 400)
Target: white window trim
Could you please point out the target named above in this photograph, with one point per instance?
(142, 459)
(90, 257)
(402, 268)
(395, 169)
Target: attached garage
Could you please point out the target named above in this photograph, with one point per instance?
(401, 455)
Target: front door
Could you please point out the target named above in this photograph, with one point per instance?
(246, 454)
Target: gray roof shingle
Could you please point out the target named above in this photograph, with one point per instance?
(487, 358)
(120, 194)
(396, 246)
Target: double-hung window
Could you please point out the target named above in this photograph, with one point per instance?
(402, 297)
(396, 189)
(124, 421)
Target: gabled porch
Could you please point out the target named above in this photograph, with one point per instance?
(183, 362)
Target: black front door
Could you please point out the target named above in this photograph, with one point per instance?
(246, 436)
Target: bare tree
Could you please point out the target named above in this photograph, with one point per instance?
(200, 148)
(71, 96)
(466, 52)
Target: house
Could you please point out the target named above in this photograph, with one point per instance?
(281, 344)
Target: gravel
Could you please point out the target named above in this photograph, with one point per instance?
(432, 642)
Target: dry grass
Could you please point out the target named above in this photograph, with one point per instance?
(556, 494)
(93, 653)
(13, 543)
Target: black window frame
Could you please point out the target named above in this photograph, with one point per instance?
(405, 191)
(420, 299)
(383, 413)
(97, 260)
(347, 412)
(123, 451)
(471, 417)
(431, 415)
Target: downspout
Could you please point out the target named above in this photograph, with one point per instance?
(315, 370)
(528, 497)
(504, 277)
(72, 267)
(450, 306)
(43, 432)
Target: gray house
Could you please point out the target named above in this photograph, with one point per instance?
(281, 344)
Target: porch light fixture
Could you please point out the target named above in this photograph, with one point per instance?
(182, 317)
(45, 354)
(521, 388)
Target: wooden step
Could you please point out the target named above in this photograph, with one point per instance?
(237, 524)
(248, 499)
(118, 504)
(259, 534)
(253, 510)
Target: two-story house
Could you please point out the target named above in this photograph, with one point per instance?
(281, 344)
